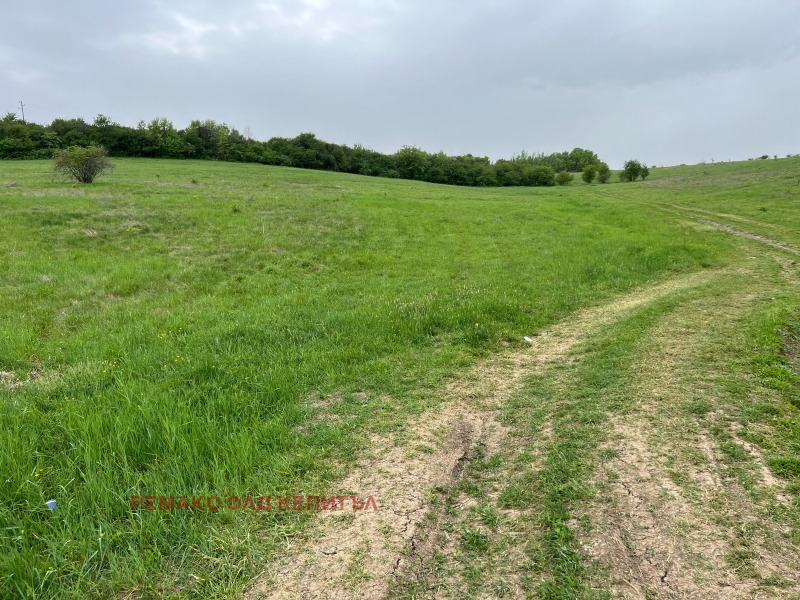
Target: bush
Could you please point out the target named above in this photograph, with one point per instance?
(564, 177)
(538, 176)
(603, 173)
(82, 164)
(589, 173)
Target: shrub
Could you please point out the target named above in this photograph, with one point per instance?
(603, 173)
(519, 173)
(84, 164)
(589, 173)
(537, 176)
(564, 177)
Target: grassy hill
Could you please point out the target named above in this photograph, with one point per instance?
(199, 328)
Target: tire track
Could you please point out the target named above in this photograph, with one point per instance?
(359, 557)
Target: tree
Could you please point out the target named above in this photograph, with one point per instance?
(163, 141)
(589, 173)
(208, 139)
(580, 158)
(82, 164)
(644, 172)
(15, 138)
(631, 170)
(102, 121)
(412, 162)
(564, 177)
(603, 173)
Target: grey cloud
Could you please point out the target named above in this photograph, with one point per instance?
(663, 81)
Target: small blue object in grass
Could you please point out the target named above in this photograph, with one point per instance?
(51, 504)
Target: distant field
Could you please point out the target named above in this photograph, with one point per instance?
(765, 192)
(201, 328)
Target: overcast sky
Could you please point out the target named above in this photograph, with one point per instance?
(663, 81)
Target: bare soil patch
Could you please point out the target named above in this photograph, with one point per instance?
(671, 521)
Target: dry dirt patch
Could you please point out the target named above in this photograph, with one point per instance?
(671, 522)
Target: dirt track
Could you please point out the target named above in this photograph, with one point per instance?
(358, 557)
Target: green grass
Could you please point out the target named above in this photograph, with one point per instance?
(191, 328)
(729, 365)
(764, 192)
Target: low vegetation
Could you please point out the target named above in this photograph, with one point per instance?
(564, 177)
(84, 165)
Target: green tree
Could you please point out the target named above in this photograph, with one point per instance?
(580, 158)
(603, 173)
(509, 172)
(163, 141)
(564, 177)
(102, 120)
(202, 137)
(438, 168)
(589, 173)
(71, 132)
(83, 164)
(644, 172)
(15, 139)
(412, 162)
(630, 170)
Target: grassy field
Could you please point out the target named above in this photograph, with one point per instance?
(198, 328)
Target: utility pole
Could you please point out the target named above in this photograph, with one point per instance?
(22, 108)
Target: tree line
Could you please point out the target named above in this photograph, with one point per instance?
(217, 141)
